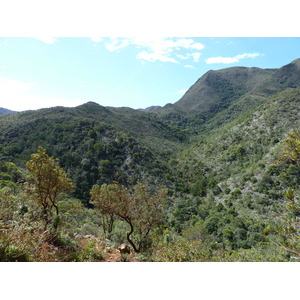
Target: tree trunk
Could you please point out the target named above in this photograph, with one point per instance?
(137, 250)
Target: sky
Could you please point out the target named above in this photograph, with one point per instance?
(136, 72)
(38, 70)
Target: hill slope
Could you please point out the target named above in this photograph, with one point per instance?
(220, 88)
(217, 89)
(95, 144)
(4, 111)
(221, 96)
(214, 149)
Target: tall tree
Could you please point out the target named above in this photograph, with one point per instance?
(48, 183)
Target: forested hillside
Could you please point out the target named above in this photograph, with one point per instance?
(212, 177)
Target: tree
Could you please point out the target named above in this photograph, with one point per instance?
(291, 151)
(140, 209)
(290, 228)
(147, 211)
(48, 183)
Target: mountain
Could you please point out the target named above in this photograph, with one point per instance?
(4, 111)
(215, 149)
(150, 108)
(220, 96)
(94, 143)
(216, 102)
(218, 89)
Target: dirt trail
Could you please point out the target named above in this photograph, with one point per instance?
(113, 256)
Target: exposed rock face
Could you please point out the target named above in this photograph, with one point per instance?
(124, 248)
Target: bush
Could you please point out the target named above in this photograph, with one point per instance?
(90, 253)
(181, 251)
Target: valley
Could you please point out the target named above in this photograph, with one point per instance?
(219, 151)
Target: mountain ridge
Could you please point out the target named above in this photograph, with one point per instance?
(235, 82)
(5, 111)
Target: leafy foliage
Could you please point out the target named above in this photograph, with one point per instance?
(48, 183)
(141, 210)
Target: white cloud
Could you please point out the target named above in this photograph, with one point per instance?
(163, 48)
(18, 95)
(144, 55)
(47, 40)
(159, 49)
(196, 56)
(248, 55)
(189, 66)
(197, 46)
(182, 56)
(117, 44)
(230, 60)
(190, 44)
(96, 39)
(167, 44)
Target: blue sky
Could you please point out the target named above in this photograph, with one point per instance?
(133, 72)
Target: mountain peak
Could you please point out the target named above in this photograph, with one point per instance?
(93, 107)
(150, 108)
(90, 103)
(296, 61)
(218, 88)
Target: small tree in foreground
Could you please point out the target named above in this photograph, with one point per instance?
(140, 209)
(48, 183)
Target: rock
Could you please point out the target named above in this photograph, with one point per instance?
(124, 248)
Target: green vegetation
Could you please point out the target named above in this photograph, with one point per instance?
(139, 209)
(227, 152)
(47, 184)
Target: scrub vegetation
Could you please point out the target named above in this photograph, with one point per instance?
(213, 177)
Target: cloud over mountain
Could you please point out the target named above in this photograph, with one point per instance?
(230, 60)
(159, 49)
